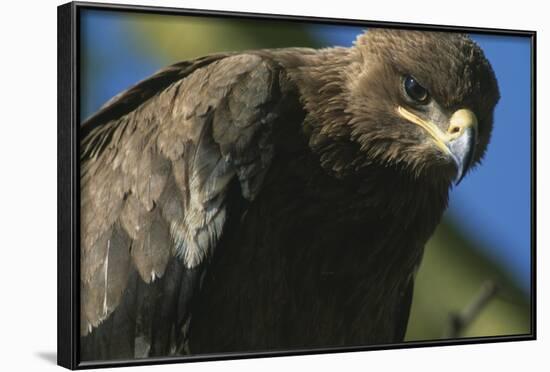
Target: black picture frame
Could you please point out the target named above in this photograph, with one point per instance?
(69, 188)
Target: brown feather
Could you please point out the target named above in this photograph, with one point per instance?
(106, 267)
(158, 176)
(150, 249)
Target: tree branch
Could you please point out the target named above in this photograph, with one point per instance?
(458, 322)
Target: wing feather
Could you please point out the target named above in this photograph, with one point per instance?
(157, 163)
(151, 249)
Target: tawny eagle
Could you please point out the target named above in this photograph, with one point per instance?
(274, 199)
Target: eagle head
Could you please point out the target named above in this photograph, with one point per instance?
(421, 101)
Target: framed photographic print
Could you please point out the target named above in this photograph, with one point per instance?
(236, 185)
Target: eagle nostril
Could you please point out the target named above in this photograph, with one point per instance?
(454, 130)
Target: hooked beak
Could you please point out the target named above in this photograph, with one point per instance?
(458, 142)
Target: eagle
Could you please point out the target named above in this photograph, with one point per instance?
(274, 199)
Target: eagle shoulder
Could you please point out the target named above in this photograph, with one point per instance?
(156, 166)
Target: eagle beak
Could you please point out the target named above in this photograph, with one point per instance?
(459, 141)
(463, 132)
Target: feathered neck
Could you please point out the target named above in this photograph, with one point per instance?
(322, 78)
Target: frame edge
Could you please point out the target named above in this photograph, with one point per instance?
(66, 348)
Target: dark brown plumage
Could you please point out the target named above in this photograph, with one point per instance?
(274, 199)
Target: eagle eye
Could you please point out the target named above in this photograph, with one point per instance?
(415, 91)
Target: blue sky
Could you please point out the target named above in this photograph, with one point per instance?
(491, 205)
